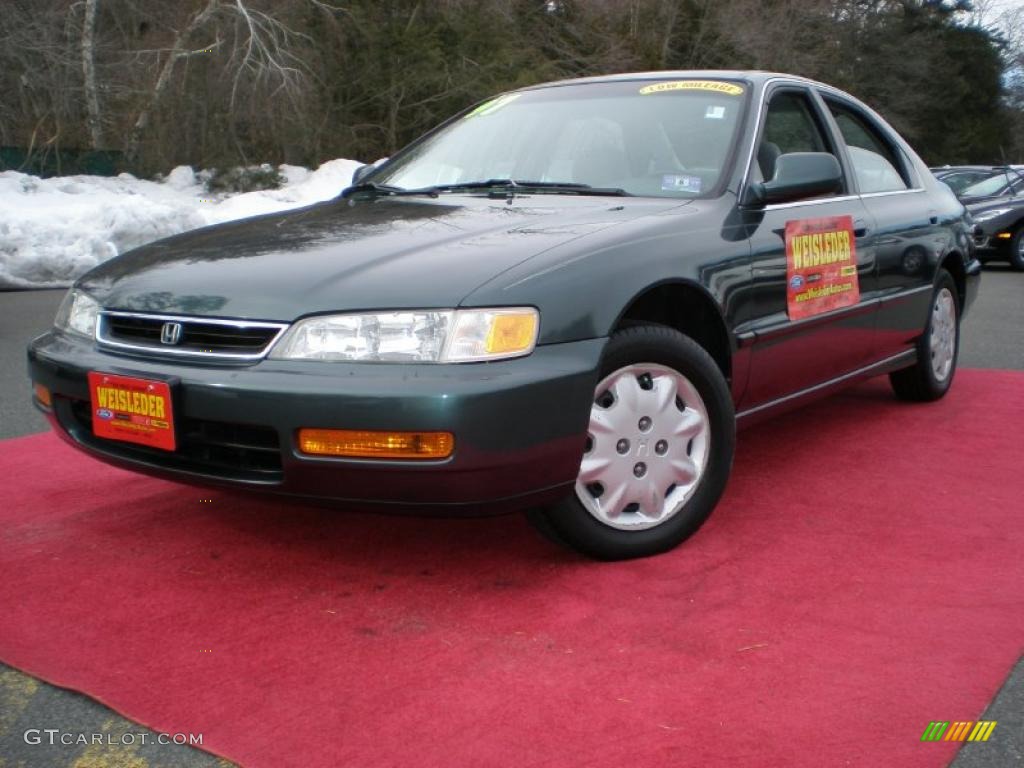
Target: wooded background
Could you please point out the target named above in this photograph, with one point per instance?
(216, 83)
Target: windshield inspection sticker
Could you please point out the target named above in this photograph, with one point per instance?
(821, 266)
(714, 112)
(671, 182)
(729, 89)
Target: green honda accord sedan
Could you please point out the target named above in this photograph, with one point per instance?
(562, 300)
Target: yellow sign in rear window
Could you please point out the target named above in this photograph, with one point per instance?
(729, 89)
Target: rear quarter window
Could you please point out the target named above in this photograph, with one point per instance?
(877, 164)
(874, 173)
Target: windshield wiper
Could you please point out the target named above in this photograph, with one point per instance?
(573, 188)
(513, 186)
(510, 186)
(374, 188)
(1006, 173)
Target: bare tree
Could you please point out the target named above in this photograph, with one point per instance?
(163, 80)
(40, 95)
(262, 54)
(92, 100)
(777, 39)
(217, 82)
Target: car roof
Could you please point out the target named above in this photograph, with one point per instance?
(755, 77)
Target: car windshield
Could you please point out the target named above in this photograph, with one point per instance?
(654, 138)
(960, 181)
(997, 185)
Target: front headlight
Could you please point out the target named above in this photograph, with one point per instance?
(986, 215)
(77, 313)
(428, 336)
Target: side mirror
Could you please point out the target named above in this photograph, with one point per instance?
(798, 175)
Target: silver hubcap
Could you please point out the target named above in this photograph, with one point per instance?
(647, 447)
(943, 335)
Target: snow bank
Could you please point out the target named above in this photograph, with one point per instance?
(53, 230)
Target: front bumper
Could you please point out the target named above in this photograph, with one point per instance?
(986, 246)
(992, 240)
(519, 425)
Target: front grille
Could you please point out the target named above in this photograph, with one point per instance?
(216, 448)
(197, 336)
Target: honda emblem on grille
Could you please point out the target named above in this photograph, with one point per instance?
(170, 333)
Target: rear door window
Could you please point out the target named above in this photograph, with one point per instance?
(877, 163)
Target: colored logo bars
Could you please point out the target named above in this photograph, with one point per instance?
(959, 731)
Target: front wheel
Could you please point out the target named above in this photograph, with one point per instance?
(658, 451)
(937, 349)
(1016, 254)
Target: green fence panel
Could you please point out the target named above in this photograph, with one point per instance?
(61, 162)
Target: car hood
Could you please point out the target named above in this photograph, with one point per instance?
(980, 205)
(388, 253)
(990, 201)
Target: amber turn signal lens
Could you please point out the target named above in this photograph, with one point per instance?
(1005, 235)
(362, 444)
(511, 333)
(43, 395)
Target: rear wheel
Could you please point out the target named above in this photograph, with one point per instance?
(658, 453)
(937, 349)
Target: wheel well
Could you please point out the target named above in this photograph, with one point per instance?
(954, 264)
(689, 311)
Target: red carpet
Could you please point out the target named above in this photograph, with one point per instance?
(862, 577)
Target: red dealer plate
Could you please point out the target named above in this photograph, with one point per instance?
(132, 410)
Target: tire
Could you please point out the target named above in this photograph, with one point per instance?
(659, 449)
(937, 350)
(1016, 254)
(539, 520)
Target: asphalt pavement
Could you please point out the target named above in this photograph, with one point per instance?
(23, 316)
(992, 337)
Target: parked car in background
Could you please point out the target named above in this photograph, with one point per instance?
(959, 177)
(1007, 181)
(563, 299)
(999, 231)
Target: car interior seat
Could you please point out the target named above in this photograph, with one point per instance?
(767, 154)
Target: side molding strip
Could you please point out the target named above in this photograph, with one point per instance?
(879, 367)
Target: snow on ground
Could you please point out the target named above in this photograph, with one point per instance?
(53, 230)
